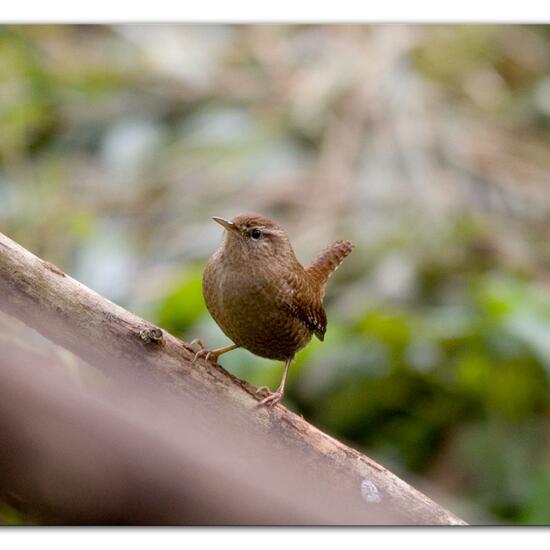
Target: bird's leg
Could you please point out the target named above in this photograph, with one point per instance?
(276, 396)
(211, 355)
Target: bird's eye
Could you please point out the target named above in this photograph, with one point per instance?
(255, 234)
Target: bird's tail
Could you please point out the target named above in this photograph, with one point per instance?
(328, 261)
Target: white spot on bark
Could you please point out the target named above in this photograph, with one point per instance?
(370, 492)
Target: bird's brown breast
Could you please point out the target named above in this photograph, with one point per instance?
(252, 305)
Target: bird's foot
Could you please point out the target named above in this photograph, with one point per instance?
(272, 397)
(207, 355)
(197, 342)
(264, 390)
(204, 353)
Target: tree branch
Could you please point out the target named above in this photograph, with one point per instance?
(114, 340)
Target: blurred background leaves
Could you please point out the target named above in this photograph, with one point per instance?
(425, 145)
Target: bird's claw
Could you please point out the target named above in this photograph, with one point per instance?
(197, 342)
(272, 399)
(199, 353)
(207, 355)
(203, 352)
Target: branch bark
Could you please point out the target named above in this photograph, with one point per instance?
(294, 454)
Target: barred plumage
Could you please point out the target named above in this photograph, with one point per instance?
(328, 261)
(261, 296)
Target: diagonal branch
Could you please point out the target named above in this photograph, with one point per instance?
(124, 346)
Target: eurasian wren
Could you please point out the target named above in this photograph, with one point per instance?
(260, 295)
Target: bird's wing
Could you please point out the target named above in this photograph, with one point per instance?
(314, 317)
(305, 305)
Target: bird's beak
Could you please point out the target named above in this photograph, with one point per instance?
(226, 224)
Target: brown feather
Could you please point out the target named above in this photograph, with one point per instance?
(260, 295)
(327, 262)
(306, 305)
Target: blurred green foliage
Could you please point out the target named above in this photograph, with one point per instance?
(183, 305)
(119, 142)
(437, 373)
(10, 516)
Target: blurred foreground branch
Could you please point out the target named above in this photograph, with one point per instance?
(194, 449)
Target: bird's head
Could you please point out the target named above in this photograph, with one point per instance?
(253, 236)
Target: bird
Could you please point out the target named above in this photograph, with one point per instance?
(261, 296)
